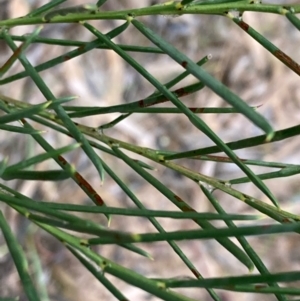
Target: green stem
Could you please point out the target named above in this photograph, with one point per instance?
(169, 8)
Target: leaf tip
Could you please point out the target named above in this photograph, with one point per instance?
(251, 268)
(270, 136)
(108, 220)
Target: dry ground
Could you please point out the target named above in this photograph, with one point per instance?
(101, 78)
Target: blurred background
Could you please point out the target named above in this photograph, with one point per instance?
(102, 78)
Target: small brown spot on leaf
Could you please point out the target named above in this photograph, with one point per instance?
(259, 286)
(243, 25)
(62, 160)
(178, 199)
(197, 110)
(196, 273)
(141, 103)
(287, 61)
(184, 64)
(81, 48)
(85, 185)
(66, 57)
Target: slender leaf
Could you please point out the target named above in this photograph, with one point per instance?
(60, 111)
(98, 274)
(112, 237)
(17, 129)
(19, 259)
(40, 158)
(44, 8)
(197, 122)
(244, 243)
(207, 79)
(176, 200)
(49, 175)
